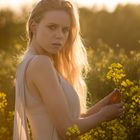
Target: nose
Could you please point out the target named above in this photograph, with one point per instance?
(59, 34)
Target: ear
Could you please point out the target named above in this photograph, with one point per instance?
(33, 27)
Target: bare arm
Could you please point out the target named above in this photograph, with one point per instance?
(92, 110)
(100, 104)
(44, 77)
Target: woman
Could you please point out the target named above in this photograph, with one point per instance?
(50, 90)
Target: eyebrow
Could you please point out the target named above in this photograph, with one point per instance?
(51, 23)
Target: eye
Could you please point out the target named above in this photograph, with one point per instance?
(52, 27)
(66, 30)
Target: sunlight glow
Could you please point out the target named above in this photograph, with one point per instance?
(14, 3)
(109, 4)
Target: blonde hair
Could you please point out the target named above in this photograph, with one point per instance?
(71, 62)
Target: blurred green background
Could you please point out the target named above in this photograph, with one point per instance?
(108, 36)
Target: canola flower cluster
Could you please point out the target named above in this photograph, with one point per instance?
(127, 83)
(3, 102)
(73, 131)
(112, 130)
(131, 98)
(122, 127)
(96, 134)
(115, 73)
(3, 105)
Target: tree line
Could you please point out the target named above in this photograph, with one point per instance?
(119, 29)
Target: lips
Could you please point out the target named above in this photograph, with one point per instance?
(57, 44)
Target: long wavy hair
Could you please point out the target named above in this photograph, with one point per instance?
(71, 62)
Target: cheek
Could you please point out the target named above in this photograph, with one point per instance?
(66, 37)
(40, 37)
(42, 34)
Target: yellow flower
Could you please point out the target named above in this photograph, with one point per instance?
(74, 130)
(115, 73)
(124, 84)
(3, 101)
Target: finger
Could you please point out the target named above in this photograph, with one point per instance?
(119, 104)
(110, 94)
(120, 112)
(118, 90)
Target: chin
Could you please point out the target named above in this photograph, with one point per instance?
(52, 53)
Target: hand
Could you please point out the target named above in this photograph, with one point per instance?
(116, 97)
(107, 100)
(113, 97)
(111, 111)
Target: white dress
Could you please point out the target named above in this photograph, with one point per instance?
(25, 107)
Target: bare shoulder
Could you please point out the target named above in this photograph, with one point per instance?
(40, 60)
(40, 65)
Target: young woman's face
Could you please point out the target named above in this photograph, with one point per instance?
(53, 30)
